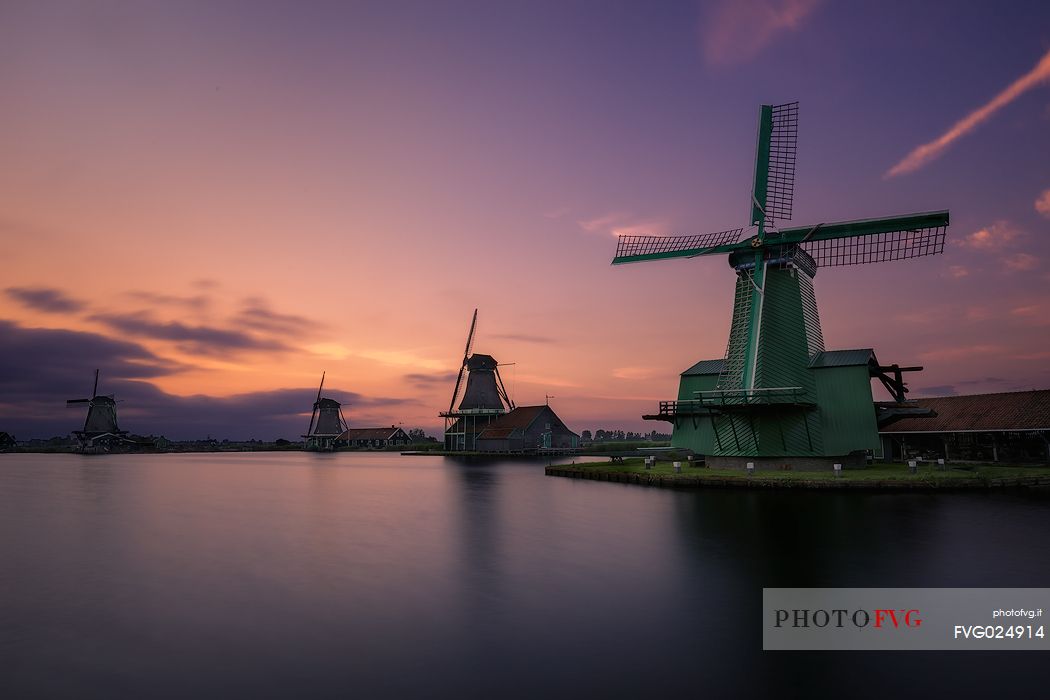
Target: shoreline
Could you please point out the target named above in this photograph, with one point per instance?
(888, 478)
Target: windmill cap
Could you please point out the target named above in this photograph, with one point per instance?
(478, 361)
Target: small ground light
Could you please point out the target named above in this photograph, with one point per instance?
(838, 470)
(912, 466)
(940, 465)
(750, 468)
(649, 462)
(678, 467)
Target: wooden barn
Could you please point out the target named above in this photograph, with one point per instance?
(1009, 427)
(373, 438)
(526, 429)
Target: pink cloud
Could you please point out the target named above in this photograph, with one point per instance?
(619, 223)
(1042, 203)
(1045, 355)
(737, 30)
(958, 271)
(601, 223)
(1021, 262)
(921, 155)
(994, 237)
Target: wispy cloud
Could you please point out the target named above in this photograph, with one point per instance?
(196, 302)
(998, 235)
(601, 223)
(420, 379)
(257, 315)
(524, 338)
(1042, 355)
(959, 351)
(1020, 262)
(199, 340)
(1030, 310)
(620, 223)
(927, 152)
(958, 271)
(637, 372)
(986, 380)
(735, 31)
(45, 299)
(1042, 203)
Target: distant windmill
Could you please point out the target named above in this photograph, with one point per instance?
(100, 426)
(484, 398)
(326, 423)
(777, 394)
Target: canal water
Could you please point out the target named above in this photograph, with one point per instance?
(360, 575)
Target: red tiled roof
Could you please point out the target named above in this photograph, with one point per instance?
(1015, 410)
(496, 433)
(521, 417)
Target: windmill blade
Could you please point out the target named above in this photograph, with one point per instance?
(455, 392)
(73, 401)
(870, 240)
(470, 337)
(630, 248)
(319, 388)
(503, 390)
(774, 190)
(94, 391)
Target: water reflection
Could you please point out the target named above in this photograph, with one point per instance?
(270, 575)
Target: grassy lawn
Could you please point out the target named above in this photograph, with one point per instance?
(878, 472)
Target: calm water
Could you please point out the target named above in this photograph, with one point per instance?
(375, 575)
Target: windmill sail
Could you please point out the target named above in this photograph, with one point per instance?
(463, 364)
(780, 168)
(630, 248)
(879, 240)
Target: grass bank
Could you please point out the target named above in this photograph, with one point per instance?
(882, 476)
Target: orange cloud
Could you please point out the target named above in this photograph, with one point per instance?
(738, 30)
(1042, 204)
(994, 237)
(635, 372)
(927, 152)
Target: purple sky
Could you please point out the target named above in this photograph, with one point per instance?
(214, 202)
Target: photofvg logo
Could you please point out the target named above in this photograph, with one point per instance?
(903, 618)
(880, 618)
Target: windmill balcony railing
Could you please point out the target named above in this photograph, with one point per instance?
(474, 412)
(718, 400)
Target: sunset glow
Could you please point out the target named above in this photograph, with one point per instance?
(215, 204)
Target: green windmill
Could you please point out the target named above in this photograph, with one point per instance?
(777, 397)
